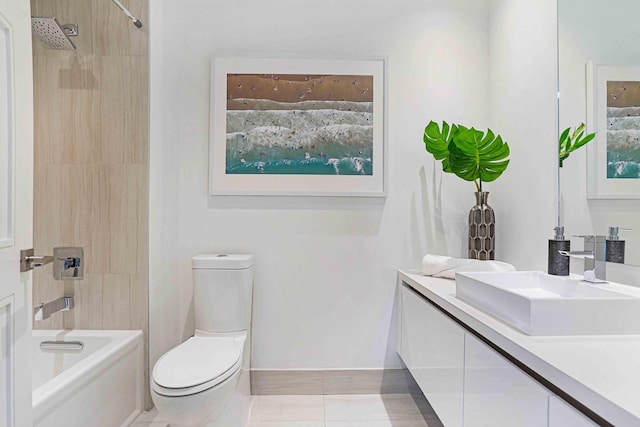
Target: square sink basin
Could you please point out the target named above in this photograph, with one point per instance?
(541, 304)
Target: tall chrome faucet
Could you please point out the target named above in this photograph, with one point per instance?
(595, 256)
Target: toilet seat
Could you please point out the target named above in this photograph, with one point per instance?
(196, 365)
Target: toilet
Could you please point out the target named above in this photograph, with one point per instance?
(204, 381)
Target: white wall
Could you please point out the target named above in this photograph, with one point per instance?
(325, 269)
(605, 33)
(524, 109)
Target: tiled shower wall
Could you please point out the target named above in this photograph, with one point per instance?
(91, 163)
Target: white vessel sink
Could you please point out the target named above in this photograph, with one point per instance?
(540, 304)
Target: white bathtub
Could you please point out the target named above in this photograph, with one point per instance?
(98, 386)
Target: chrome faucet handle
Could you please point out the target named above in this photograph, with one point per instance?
(68, 263)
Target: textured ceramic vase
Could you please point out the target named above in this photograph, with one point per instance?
(482, 229)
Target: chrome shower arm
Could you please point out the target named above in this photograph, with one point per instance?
(135, 20)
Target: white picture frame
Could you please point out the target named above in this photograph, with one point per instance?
(599, 184)
(363, 176)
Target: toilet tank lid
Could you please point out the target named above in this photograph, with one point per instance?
(222, 261)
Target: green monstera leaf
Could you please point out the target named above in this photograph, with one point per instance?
(469, 153)
(437, 141)
(478, 156)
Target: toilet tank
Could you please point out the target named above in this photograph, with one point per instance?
(222, 292)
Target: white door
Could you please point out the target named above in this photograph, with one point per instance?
(16, 211)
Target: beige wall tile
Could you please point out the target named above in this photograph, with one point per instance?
(86, 190)
(331, 382)
(136, 135)
(368, 381)
(123, 107)
(47, 220)
(114, 79)
(87, 295)
(77, 110)
(116, 301)
(139, 36)
(68, 108)
(139, 301)
(286, 382)
(142, 216)
(69, 213)
(109, 20)
(124, 201)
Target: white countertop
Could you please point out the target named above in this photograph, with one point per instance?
(601, 372)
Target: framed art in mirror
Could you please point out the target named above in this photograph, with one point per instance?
(613, 112)
(289, 127)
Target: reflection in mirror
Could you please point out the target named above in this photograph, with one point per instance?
(605, 34)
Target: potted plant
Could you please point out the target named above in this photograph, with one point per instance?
(475, 156)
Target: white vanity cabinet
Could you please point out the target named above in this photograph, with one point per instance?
(432, 347)
(467, 382)
(497, 393)
(564, 415)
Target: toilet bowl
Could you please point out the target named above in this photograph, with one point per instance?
(193, 383)
(204, 381)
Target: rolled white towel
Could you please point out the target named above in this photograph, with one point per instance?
(445, 266)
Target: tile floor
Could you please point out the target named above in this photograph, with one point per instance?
(355, 410)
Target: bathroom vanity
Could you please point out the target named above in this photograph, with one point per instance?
(476, 370)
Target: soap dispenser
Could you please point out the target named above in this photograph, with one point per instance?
(615, 246)
(558, 265)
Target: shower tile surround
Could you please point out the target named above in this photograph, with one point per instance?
(91, 163)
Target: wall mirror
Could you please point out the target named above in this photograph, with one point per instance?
(599, 84)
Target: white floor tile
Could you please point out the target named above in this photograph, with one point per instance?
(287, 424)
(149, 419)
(148, 415)
(287, 408)
(285, 399)
(369, 410)
(370, 407)
(149, 424)
(382, 423)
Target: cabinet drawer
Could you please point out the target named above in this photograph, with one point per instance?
(497, 393)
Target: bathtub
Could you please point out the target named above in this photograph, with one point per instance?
(100, 385)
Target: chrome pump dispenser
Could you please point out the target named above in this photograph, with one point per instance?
(558, 265)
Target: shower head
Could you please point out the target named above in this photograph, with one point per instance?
(50, 33)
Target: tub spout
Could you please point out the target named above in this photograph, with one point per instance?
(45, 310)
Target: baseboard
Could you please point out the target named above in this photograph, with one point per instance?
(341, 381)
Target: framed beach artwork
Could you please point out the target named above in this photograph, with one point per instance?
(306, 127)
(613, 112)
